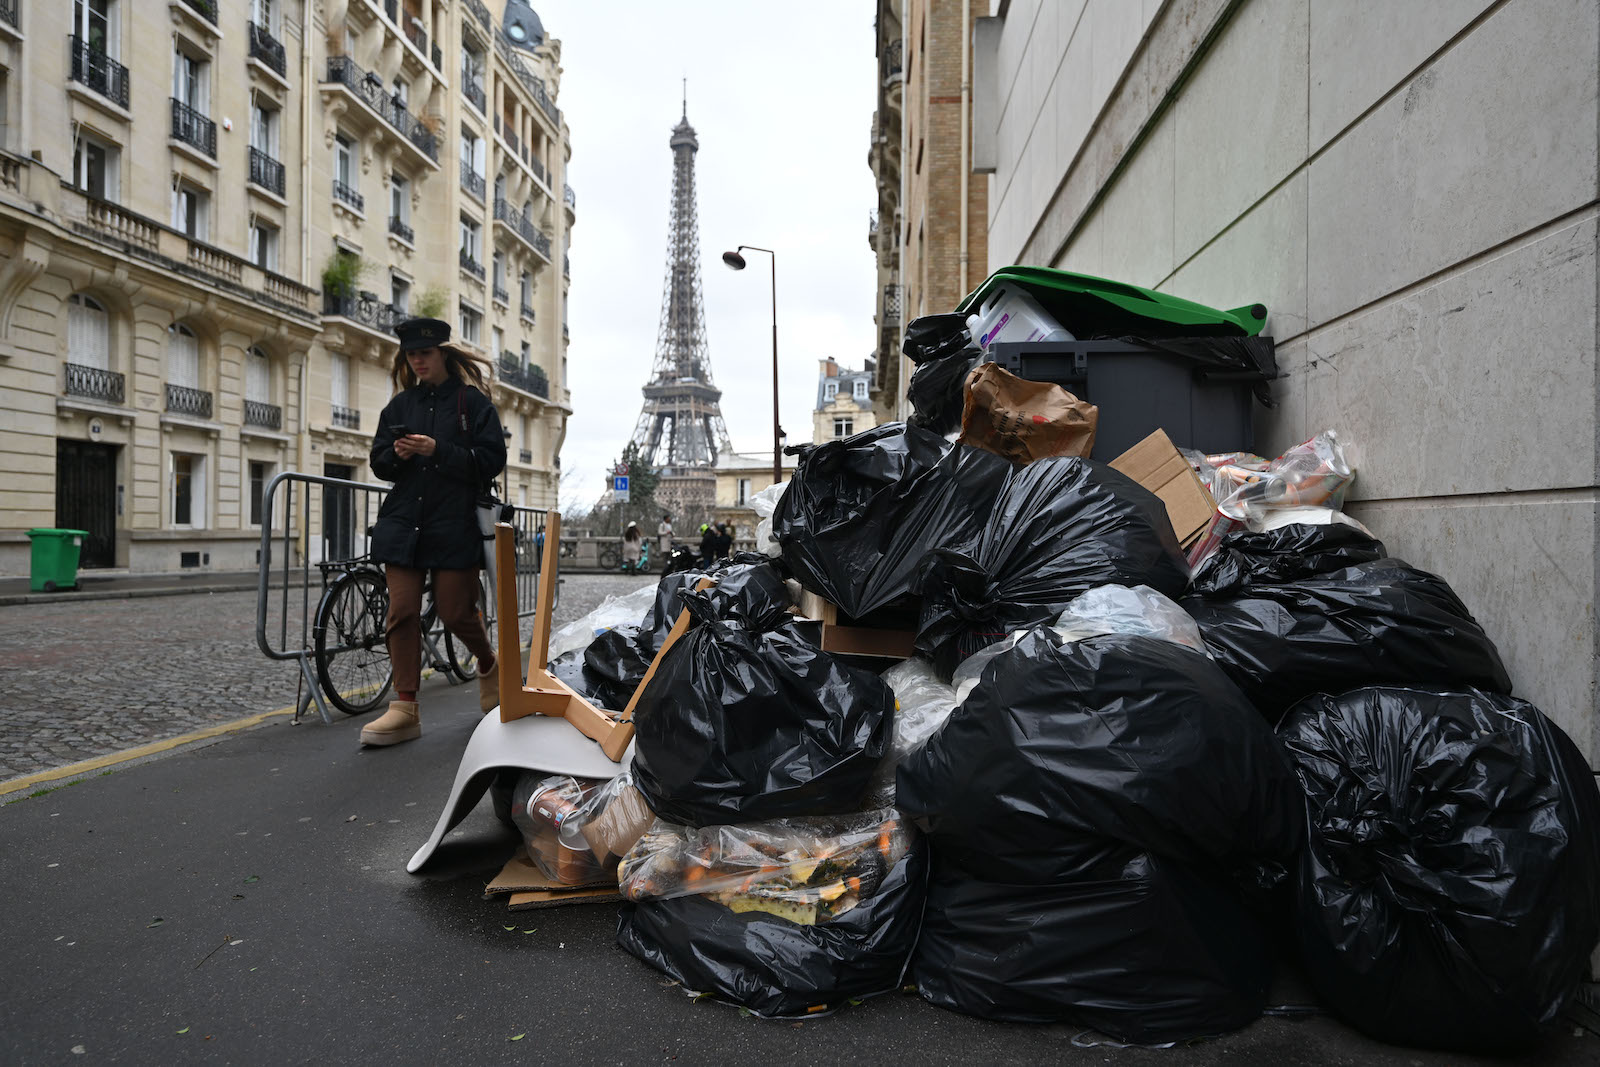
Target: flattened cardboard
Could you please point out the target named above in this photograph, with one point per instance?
(1156, 464)
(547, 898)
(520, 875)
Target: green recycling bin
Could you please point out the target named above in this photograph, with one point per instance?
(55, 559)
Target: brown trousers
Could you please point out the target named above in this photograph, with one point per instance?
(456, 595)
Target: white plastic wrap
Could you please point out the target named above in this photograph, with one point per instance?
(922, 704)
(764, 504)
(624, 609)
(1305, 516)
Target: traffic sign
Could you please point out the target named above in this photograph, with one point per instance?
(619, 487)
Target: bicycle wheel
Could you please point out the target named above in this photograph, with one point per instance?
(610, 557)
(352, 658)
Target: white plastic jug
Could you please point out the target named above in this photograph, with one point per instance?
(1009, 314)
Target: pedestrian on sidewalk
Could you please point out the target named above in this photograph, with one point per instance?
(664, 537)
(632, 542)
(439, 441)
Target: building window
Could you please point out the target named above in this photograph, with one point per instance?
(744, 492)
(843, 427)
(94, 168)
(257, 376)
(260, 475)
(402, 93)
(190, 84)
(344, 169)
(264, 245)
(471, 323)
(499, 269)
(91, 20)
(264, 130)
(339, 384)
(830, 390)
(525, 285)
(188, 490)
(183, 357)
(472, 155)
(859, 389)
(472, 67)
(88, 333)
(472, 239)
(190, 210)
(399, 199)
(527, 356)
(400, 294)
(497, 343)
(265, 13)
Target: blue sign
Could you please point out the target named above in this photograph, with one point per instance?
(619, 483)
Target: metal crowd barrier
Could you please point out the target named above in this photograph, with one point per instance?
(313, 528)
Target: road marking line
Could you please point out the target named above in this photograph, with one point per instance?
(111, 759)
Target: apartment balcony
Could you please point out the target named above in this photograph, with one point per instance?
(345, 77)
(525, 456)
(438, 58)
(530, 81)
(471, 266)
(891, 65)
(474, 92)
(891, 305)
(530, 379)
(569, 198)
(181, 400)
(401, 230)
(268, 49)
(417, 35)
(364, 309)
(566, 265)
(511, 139)
(538, 238)
(346, 195)
(8, 14)
(480, 12)
(501, 296)
(206, 9)
(472, 181)
(344, 418)
(527, 313)
(266, 416)
(193, 129)
(99, 72)
(92, 383)
(266, 171)
(534, 164)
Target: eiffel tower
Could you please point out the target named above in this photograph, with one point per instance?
(680, 429)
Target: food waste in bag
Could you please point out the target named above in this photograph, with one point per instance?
(1447, 894)
(577, 829)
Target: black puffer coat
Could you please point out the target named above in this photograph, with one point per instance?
(430, 519)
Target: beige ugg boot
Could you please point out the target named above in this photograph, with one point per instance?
(401, 722)
(489, 687)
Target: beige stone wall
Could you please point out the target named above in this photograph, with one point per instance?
(125, 253)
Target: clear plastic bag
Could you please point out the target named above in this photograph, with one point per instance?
(576, 829)
(625, 609)
(1249, 489)
(922, 704)
(764, 504)
(804, 870)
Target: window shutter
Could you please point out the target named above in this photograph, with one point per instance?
(88, 336)
(339, 384)
(257, 383)
(183, 359)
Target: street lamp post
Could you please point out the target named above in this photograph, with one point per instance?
(735, 261)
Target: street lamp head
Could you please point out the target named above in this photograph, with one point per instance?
(734, 260)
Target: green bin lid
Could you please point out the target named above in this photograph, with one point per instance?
(45, 531)
(1116, 307)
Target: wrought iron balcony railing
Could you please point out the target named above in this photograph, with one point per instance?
(530, 378)
(474, 92)
(568, 197)
(501, 295)
(566, 265)
(530, 81)
(345, 418)
(511, 139)
(369, 89)
(92, 383)
(206, 9)
(343, 192)
(891, 60)
(470, 265)
(481, 13)
(525, 456)
(400, 229)
(534, 164)
(438, 58)
(266, 416)
(181, 400)
(98, 71)
(365, 308)
(266, 171)
(527, 312)
(471, 180)
(267, 48)
(417, 35)
(891, 305)
(538, 238)
(8, 13)
(504, 212)
(193, 128)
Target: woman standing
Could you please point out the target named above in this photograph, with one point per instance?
(439, 441)
(632, 542)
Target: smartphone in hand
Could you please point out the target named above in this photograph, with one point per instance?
(399, 430)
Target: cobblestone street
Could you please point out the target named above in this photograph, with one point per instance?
(101, 676)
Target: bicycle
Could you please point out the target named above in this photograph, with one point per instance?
(352, 655)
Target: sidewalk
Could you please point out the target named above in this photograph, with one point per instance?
(245, 900)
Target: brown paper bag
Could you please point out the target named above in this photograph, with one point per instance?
(1024, 420)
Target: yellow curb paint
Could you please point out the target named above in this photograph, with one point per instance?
(111, 759)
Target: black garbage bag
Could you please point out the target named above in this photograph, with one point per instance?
(775, 967)
(862, 511)
(1447, 895)
(1060, 526)
(742, 725)
(1376, 622)
(1286, 554)
(944, 353)
(1141, 948)
(1135, 739)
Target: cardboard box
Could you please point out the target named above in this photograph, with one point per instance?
(1156, 464)
(844, 636)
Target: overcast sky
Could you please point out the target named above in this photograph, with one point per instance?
(781, 97)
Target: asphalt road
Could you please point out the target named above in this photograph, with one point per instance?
(87, 678)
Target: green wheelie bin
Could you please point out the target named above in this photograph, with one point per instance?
(55, 559)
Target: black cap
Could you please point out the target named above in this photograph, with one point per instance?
(422, 333)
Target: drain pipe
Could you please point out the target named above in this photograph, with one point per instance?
(966, 130)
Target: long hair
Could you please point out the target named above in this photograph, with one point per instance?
(458, 363)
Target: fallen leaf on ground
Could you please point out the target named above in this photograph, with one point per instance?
(154, 922)
(516, 1037)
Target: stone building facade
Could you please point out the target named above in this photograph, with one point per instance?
(1411, 191)
(844, 403)
(212, 216)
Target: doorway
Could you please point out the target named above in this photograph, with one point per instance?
(86, 498)
(338, 513)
